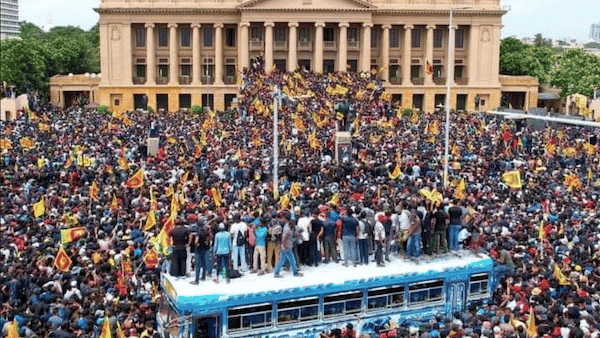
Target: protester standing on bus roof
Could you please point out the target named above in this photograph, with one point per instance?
(329, 251)
(202, 238)
(274, 239)
(379, 234)
(180, 238)
(287, 246)
(260, 249)
(238, 234)
(440, 219)
(413, 248)
(222, 250)
(349, 231)
(316, 233)
(455, 213)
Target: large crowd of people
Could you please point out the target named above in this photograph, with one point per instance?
(211, 179)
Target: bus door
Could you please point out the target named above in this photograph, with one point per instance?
(457, 299)
(207, 327)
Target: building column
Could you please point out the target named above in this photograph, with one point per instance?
(293, 46)
(451, 56)
(496, 59)
(104, 57)
(196, 66)
(406, 56)
(366, 47)
(385, 52)
(319, 47)
(244, 55)
(429, 54)
(173, 55)
(473, 54)
(150, 55)
(343, 48)
(269, 46)
(128, 69)
(218, 53)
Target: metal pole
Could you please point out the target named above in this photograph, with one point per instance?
(275, 142)
(448, 81)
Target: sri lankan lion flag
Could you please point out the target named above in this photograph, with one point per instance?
(429, 68)
(26, 143)
(151, 258)
(150, 220)
(120, 333)
(5, 144)
(295, 190)
(216, 194)
(114, 204)
(531, 327)
(12, 331)
(70, 235)
(62, 260)
(105, 333)
(137, 180)
(460, 190)
(396, 173)
(562, 280)
(513, 179)
(94, 191)
(39, 208)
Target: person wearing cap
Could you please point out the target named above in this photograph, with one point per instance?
(379, 234)
(287, 247)
(222, 251)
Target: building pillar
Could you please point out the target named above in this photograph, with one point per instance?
(343, 48)
(150, 55)
(244, 55)
(406, 56)
(366, 47)
(128, 69)
(293, 46)
(385, 52)
(269, 46)
(451, 56)
(319, 47)
(218, 53)
(429, 54)
(196, 65)
(104, 54)
(473, 54)
(496, 30)
(173, 55)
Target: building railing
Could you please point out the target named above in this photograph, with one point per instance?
(257, 45)
(439, 81)
(229, 79)
(395, 80)
(139, 80)
(353, 45)
(461, 81)
(329, 45)
(185, 80)
(280, 45)
(208, 79)
(162, 79)
(417, 81)
(305, 46)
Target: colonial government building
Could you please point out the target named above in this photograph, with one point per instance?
(178, 53)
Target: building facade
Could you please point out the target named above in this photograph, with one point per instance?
(595, 32)
(176, 53)
(9, 19)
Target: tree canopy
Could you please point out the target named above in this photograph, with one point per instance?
(577, 72)
(29, 63)
(517, 58)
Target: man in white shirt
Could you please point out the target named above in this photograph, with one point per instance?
(303, 228)
(238, 232)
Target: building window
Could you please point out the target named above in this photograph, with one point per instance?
(438, 38)
(229, 37)
(163, 37)
(416, 38)
(394, 38)
(460, 38)
(208, 37)
(185, 101)
(186, 70)
(140, 37)
(437, 71)
(256, 34)
(185, 37)
(304, 34)
(140, 70)
(352, 34)
(415, 71)
(385, 298)
(458, 71)
(328, 34)
(374, 38)
(249, 317)
(279, 34)
(163, 71)
(208, 101)
(297, 310)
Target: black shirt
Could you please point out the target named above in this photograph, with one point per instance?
(202, 236)
(440, 220)
(180, 237)
(455, 213)
(315, 225)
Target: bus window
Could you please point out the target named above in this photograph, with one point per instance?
(249, 317)
(342, 304)
(426, 292)
(300, 310)
(391, 297)
(478, 285)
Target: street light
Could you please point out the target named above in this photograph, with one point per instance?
(278, 99)
(449, 79)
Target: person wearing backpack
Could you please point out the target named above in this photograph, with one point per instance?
(238, 234)
(274, 238)
(202, 240)
(260, 248)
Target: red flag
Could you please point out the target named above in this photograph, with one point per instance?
(137, 180)
(169, 224)
(151, 259)
(429, 68)
(62, 261)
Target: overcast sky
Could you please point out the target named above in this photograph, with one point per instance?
(553, 18)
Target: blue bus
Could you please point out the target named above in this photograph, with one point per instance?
(327, 298)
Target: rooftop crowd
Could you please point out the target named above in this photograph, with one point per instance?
(214, 172)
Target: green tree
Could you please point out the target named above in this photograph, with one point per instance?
(23, 64)
(592, 44)
(577, 72)
(517, 58)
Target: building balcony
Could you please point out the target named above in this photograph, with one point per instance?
(418, 81)
(329, 46)
(208, 79)
(185, 80)
(461, 81)
(280, 46)
(161, 80)
(439, 81)
(257, 45)
(353, 45)
(396, 80)
(138, 80)
(304, 46)
(229, 79)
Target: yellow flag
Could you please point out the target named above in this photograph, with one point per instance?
(120, 333)
(460, 190)
(396, 173)
(27, 143)
(123, 163)
(513, 179)
(39, 208)
(216, 196)
(105, 333)
(531, 327)
(285, 201)
(114, 204)
(40, 162)
(5, 144)
(150, 220)
(12, 330)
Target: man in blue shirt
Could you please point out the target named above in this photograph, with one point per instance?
(222, 249)
(349, 230)
(329, 240)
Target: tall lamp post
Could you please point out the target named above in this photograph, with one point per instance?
(278, 99)
(449, 80)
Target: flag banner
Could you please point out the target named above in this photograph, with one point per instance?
(513, 179)
(39, 208)
(70, 235)
(151, 259)
(137, 180)
(94, 191)
(150, 220)
(62, 261)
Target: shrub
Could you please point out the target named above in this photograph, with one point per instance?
(407, 112)
(103, 109)
(150, 110)
(197, 109)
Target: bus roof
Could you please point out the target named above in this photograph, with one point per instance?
(327, 278)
